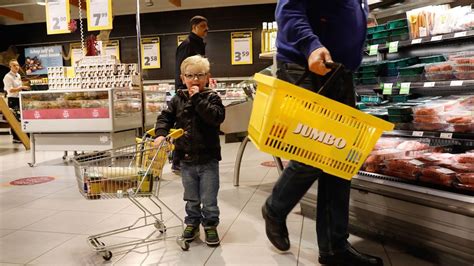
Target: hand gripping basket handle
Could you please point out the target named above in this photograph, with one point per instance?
(337, 70)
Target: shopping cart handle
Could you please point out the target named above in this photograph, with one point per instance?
(175, 133)
(151, 132)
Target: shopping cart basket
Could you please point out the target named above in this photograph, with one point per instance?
(294, 123)
(132, 172)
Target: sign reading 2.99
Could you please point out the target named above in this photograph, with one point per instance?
(57, 16)
(150, 53)
(99, 15)
(241, 48)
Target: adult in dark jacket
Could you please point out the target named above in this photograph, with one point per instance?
(193, 45)
(199, 111)
(311, 33)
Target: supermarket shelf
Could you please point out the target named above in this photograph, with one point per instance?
(429, 40)
(428, 87)
(448, 136)
(267, 55)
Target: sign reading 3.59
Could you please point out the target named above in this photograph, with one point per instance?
(241, 46)
(57, 16)
(99, 15)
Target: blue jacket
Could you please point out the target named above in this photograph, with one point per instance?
(305, 25)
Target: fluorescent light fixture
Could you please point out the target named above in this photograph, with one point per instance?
(41, 3)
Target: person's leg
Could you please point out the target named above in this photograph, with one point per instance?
(14, 104)
(209, 189)
(190, 179)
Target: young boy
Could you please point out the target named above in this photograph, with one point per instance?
(199, 112)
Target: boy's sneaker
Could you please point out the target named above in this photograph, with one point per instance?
(212, 238)
(190, 232)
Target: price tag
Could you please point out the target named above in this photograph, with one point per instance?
(181, 38)
(405, 88)
(429, 84)
(99, 15)
(446, 135)
(57, 16)
(76, 53)
(437, 38)
(393, 47)
(455, 83)
(373, 49)
(387, 88)
(111, 48)
(151, 53)
(241, 48)
(460, 34)
(415, 41)
(417, 134)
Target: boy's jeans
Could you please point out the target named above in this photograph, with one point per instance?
(201, 185)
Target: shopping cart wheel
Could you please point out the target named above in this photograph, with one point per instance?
(182, 243)
(107, 255)
(31, 164)
(160, 226)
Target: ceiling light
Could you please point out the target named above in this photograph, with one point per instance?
(41, 3)
(149, 3)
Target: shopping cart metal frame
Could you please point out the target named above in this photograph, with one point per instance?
(99, 177)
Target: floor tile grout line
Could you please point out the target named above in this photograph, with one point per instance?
(299, 244)
(388, 255)
(238, 215)
(50, 249)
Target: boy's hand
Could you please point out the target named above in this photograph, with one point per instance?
(159, 140)
(193, 90)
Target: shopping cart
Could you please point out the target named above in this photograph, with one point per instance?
(294, 123)
(132, 172)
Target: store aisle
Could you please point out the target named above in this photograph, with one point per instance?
(49, 223)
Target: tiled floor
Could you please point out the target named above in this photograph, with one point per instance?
(49, 223)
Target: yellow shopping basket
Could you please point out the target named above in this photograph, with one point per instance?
(297, 124)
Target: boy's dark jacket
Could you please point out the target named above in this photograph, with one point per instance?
(200, 117)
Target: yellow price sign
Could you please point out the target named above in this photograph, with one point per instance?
(150, 48)
(181, 38)
(241, 48)
(57, 16)
(99, 15)
(111, 48)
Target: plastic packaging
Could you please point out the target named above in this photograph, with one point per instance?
(437, 175)
(464, 75)
(432, 59)
(438, 76)
(431, 126)
(463, 67)
(428, 109)
(466, 178)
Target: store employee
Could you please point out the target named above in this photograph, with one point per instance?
(12, 85)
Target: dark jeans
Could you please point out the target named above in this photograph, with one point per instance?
(14, 103)
(201, 185)
(297, 178)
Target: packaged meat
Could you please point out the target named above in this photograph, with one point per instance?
(438, 68)
(463, 186)
(459, 117)
(463, 128)
(449, 105)
(436, 158)
(408, 167)
(430, 126)
(399, 174)
(439, 76)
(387, 143)
(437, 175)
(412, 145)
(381, 155)
(428, 109)
(427, 119)
(460, 167)
(372, 168)
(466, 178)
(463, 67)
(467, 100)
(465, 158)
(464, 75)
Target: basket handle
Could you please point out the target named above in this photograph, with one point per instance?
(337, 69)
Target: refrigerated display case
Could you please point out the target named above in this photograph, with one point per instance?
(81, 120)
(424, 216)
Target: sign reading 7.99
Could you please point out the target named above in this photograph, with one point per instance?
(57, 16)
(99, 15)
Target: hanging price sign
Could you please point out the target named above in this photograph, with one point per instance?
(241, 48)
(181, 38)
(150, 48)
(111, 48)
(57, 16)
(387, 88)
(405, 88)
(99, 15)
(373, 49)
(393, 47)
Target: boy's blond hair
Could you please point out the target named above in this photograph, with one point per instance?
(196, 60)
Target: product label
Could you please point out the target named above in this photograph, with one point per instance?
(373, 49)
(387, 88)
(460, 34)
(446, 135)
(415, 41)
(393, 47)
(445, 171)
(417, 134)
(416, 162)
(429, 84)
(405, 88)
(455, 83)
(320, 136)
(437, 38)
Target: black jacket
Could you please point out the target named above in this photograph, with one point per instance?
(193, 45)
(200, 117)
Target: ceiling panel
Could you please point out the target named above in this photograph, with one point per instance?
(34, 13)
